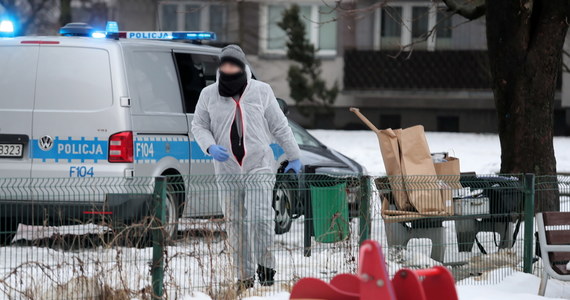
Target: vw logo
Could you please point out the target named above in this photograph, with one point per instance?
(45, 142)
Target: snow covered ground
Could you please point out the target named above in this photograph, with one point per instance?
(518, 286)
(477, 152)
(197, 264)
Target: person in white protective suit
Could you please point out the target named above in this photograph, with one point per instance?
(235, 121)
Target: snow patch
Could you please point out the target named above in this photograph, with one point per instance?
(477, 152)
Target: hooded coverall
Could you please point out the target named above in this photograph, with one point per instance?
(246, 199)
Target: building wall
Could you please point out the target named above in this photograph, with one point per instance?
(469, 36)
(273, 68)
(137, 14)
(475, 110)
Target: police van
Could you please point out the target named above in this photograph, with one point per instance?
(92, 104)
(87, 119)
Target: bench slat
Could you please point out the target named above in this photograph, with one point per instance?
(558, 237)
(560, 269)
(553, 218)
(559, 257)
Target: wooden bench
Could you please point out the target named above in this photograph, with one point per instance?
(554, 241)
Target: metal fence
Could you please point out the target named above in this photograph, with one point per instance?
(146, 237)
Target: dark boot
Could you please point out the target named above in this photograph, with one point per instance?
(244, 284)
(266, 275)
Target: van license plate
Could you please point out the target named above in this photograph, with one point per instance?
(11, 150)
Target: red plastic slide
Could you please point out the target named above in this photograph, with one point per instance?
(373, 282)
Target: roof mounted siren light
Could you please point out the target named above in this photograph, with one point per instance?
(6, 28)
(112, 32)
(76, 29)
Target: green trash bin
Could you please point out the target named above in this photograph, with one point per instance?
(330, 213)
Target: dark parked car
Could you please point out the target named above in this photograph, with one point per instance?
(289, 200)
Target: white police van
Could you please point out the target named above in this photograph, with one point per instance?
(102, 104)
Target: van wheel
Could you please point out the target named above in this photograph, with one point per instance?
(139, 234)
(282, 199)
(171, 211)
(175, 200)
(8, 227)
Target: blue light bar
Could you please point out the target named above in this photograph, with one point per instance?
(76, 29)
(99, 35)
(6, 28)
(112, 27)
(199, 35)
(169, 35)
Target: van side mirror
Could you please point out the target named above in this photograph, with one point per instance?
(283, 105)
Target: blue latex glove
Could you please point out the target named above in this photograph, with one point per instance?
(219, 153)
(294, 165)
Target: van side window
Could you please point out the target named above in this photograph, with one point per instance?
(73, 79)
(196, 72)
(155, 83)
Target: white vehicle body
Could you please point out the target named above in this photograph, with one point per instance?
(69, 107)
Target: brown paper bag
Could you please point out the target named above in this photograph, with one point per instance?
(389, 146)
(421, 180)
(406, 153)
(449, 172)
(395, 216)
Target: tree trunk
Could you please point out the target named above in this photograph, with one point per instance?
(525, 40)
(65, 8)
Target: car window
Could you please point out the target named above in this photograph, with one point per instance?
(196, 71)
(14, 83)
(155, 82)
(73, 79)
(302, 137)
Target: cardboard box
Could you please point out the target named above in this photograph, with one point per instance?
(449, 172)
(471, 206)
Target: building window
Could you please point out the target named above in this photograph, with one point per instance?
(390, 121)
(444, 29)
(420, 23)
(193, 16)
(408, 24)
(391, 27)
(448, 123)
(320, 25)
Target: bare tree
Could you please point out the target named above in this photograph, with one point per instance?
(26, 11)
(525, 39)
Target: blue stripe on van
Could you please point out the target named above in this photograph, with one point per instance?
(70, 149)
(156, 149)
(152, 150)
(197, 153)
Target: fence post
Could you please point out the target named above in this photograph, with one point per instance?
(364, 209)
(157, 268)
(528, 222)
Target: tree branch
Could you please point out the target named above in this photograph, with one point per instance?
(35, 9)
(472, 10)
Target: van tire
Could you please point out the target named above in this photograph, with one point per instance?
(283, 204)
(175, 198)
(172, 211)
(8, 227)
(139, 234)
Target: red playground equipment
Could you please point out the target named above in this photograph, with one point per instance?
(373, 283)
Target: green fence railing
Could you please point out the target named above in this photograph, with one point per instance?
(167, 237)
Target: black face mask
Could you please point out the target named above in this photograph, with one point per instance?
(230, 85)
